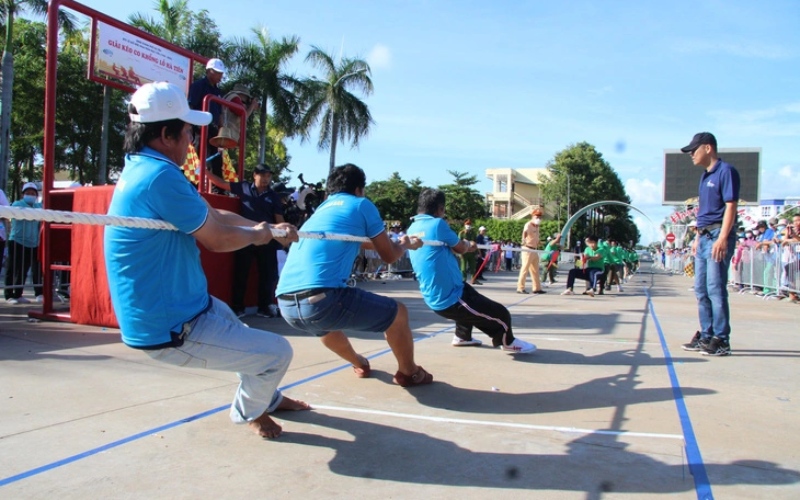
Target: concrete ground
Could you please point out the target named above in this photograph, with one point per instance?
(603, 409)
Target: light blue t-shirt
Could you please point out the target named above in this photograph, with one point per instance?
(328, 263)
(25, 232)
(155, 277)
(436, 267)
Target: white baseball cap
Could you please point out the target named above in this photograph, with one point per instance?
(216, 64)
(29, 185)
(482, 228)
(160, 101)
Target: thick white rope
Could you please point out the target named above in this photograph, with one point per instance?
(63, 217)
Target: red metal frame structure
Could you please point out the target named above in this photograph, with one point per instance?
(51, 62)
(242, 114)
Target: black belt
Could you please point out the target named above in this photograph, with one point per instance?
(301, 295)
(709, 228)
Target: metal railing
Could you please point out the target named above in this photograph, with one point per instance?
(767, 269)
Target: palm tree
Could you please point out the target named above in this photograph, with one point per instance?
(8, 10)
(175, 23)
(342, 115)
(178, 24)
(258, 63)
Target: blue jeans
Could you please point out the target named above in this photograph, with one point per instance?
(217, 340)
(711, 286)
(336, 309)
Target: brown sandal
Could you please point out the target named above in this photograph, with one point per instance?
(420, 377)
(364, 370)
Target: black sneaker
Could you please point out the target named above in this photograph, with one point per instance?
(717, 347)
(696, 344)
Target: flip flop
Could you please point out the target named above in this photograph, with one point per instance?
(420, 377)
(364, 370)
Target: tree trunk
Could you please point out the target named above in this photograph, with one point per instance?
(262, 132)
(334, 135)
(5, 111)
(102, 164)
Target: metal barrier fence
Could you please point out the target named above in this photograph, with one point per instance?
(21, 276)
(769, 270)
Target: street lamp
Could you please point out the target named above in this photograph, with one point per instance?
(559, 171)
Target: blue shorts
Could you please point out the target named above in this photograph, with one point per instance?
(331, 309)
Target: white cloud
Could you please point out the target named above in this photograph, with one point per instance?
(747, 49)
(776, 121)
(644, 192)
(380, 57)
(649, 231)
(785, 182)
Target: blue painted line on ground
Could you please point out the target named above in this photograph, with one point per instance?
(697, 468)
(207, 413)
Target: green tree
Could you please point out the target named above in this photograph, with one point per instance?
(79, 116)
(259, 63)
(591, 179)
(462, 201)
(78, 110)
(395, 198)
(9, 9)
(178, 24)
(28, 116)
(342, 116)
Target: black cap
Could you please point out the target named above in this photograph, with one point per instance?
(262, 169)
(761, 223)
(700, 139)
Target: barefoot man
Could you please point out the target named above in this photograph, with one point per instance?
(158, 288)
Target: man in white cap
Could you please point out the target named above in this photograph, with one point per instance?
(209, 84)
(158, 288)
(23, 250)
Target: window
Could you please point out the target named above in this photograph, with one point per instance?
(501, 183)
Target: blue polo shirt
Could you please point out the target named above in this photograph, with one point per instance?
(718, 186)
(436, 267)
(313, 263)
(154, 276)
(258, 207)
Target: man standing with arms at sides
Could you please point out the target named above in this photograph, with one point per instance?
(713, 246)
(441, 285)
(530, 258)
(468, 260)
(158, 288)
(259, 204)
(482, 239)
(312, 291)
(198, 90)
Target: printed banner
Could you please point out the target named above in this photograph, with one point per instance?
(134, 61)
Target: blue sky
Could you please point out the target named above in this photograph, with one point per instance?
(470, 85)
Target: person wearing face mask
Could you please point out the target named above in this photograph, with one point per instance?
(530, 260)
(23, 250)
(790, 255)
